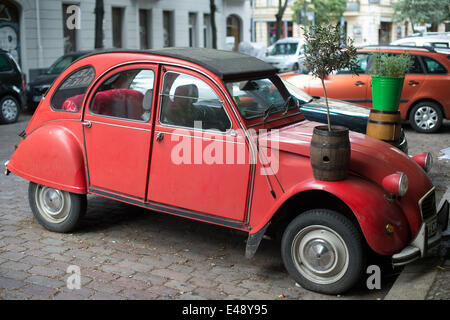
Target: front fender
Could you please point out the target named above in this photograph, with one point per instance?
(367, 202)
(52, 156)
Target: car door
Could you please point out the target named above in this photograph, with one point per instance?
(343, 85)
(198, 159)
(117, 130)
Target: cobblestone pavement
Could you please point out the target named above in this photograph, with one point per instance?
(440, 176)
(126, 252)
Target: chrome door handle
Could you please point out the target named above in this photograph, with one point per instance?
(412, 82)
(87, 124)
(359, 83)
(159, 136)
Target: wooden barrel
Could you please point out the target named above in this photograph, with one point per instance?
(330, 153)
(384, 125)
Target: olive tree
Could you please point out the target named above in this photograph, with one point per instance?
(325, 52)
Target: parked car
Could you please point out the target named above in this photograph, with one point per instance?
(286, 55)
(425, 99)
(37, 88)
(215, 136)
(12, 88)
(436, 41)
(352, 116)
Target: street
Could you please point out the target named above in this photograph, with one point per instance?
(125, 252)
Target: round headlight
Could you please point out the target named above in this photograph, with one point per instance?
(396, 183)
(425, 160)
(428, 162)
(402, 184)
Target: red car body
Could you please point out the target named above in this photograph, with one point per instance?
(428, 82)
(76, 150)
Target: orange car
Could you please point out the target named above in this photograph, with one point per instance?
(425, 100)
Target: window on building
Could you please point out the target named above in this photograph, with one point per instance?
(126, 94)
(207, 36)
(193, 30)
(117, 27)
(168, 28)
(70, 93)
(69, 28)
(187, 99)
(144, 28)
(286, 31)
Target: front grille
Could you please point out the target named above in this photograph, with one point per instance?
(428, 205)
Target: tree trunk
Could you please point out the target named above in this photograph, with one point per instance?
(99, 13)
(279, 18)
(326, 102)
(212, 6)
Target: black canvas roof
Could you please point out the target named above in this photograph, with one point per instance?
(227, 65)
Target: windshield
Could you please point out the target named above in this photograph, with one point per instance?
(284, 49)
(260, 97)
(60, 65)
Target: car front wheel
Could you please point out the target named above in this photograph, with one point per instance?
(426, 117)
(9, 109)
(323, 251)
(56, 210)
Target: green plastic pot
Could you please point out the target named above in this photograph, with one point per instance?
(386, 92)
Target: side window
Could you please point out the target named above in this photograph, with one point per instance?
(362, 61)
(417, 67)
(5, 65)
(186, 99)
(434, 67)
(126, 94)
(70, 93)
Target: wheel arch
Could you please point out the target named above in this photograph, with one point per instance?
(51, 155)
(412, 105)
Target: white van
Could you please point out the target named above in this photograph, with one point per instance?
(436, 41)
(285, 54)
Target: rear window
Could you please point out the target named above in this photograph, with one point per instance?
(70, 93)
(5, 64)
(433, 67)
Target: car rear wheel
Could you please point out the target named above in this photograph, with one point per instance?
(9, 109)
(426, 117)
(56, 210)
(323, 251)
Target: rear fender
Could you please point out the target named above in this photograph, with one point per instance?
(52, 156)
(369, 206)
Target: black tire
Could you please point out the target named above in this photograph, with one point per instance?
(44, 203)
(9, 109)
(332, 235)
(426, 117)
(295, 67)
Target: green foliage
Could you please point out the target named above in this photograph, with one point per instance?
(325, 52)
(391, 65)
(421, 11)
(324, 10)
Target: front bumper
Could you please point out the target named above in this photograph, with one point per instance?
(422, 243)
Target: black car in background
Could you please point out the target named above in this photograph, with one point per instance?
(37, 88)
(342, 113)
(12, 88)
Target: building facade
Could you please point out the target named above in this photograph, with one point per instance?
(365, 21)
(37, 32)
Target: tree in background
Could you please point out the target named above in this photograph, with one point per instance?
(213, 9)
(99, 13)
(279, 18)
(325, 11)
(421, 11)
